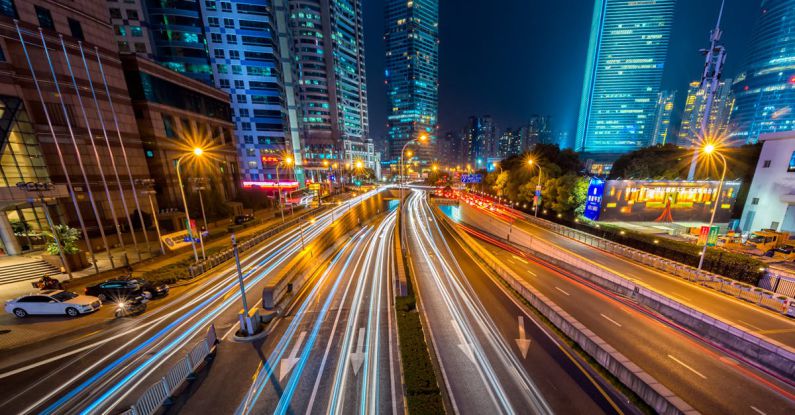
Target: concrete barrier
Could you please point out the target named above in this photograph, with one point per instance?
(633, 377)
(764, 351)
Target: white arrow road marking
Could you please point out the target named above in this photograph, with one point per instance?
(463, 345)
(288, 363)
(523, 342)
(357, 357)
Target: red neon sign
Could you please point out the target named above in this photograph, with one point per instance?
(271, 185)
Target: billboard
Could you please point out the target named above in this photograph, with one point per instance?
(471, 178)
(660, 200)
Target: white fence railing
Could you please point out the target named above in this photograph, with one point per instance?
(161, 391)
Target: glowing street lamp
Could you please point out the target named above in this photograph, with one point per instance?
(197, 152)
(709, 149)
(286, 161)
(531, 163)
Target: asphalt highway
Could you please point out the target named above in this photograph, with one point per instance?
(706, 378)
(493, 355)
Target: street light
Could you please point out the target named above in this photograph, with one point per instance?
(199, 184)
(149, 190)
(538, 187)
(708, 150)
(197, 152)
(419, 140)
(286, 161)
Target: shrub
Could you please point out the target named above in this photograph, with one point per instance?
(66, 236)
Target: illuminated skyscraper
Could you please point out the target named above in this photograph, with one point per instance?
(328, 47)
(765, 91)
(695, 105)
(662, 123)
(624, 67)
(412, 73)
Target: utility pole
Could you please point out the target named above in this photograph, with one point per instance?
(710, 79)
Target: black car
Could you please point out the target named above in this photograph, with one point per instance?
(241, 219)
(115, 290)
(154, 289)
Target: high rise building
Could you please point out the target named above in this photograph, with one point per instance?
(328, 46)
(481, 141)
(662, 123)
(412, 73)
(765, 90)
(624, 67)
(693, 115)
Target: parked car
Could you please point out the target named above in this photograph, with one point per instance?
(53, 302)
(151, 289)
(241, 219)
(115, 290)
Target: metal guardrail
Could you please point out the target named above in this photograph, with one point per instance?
(754, 295)
(161, 391)
(217, 259)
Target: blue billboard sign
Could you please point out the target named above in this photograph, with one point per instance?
(593, 203)
(471, 178)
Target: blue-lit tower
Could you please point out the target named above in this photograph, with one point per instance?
(412, 73)
(765, 91)
(624, 68)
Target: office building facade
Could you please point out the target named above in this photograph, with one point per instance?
(690, 133)
(662, 121)
(84, 140)
(765, 91)
(624, 67)
(412, 74)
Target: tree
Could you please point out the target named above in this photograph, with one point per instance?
(501, 182)
(66, 236)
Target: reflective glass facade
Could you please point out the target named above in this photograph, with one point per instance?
(765, 91)
(624, 67)
(177, 36)
(412, 73)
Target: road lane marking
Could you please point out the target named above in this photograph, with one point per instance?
(776, 331)
(519, 259)
(463, 344)
(610, 320)
(759, 411)
(564, 292)
(514, 263)
(687, 367)
(523, 342)
(532, 273)
(292, 359)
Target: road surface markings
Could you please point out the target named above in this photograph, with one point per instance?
(759, 411)
(610, 320)
(680, 297)
(463, 344)
(687, 367)
(357, 357)
(514, 263)
(776, 331)
(749, 325)
(519, 259)
(561, 290)
(289, 362)
(523, 342)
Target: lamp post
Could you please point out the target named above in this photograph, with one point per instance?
(149, 190)
(418, 140)
(286, 161)
(709, 149)
(538, 187)
(196, 152)
(199, 185)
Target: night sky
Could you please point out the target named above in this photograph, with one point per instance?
(515, 58)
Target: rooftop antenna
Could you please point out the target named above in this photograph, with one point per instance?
(710, 80)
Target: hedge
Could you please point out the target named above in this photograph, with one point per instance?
(733, 265)
(422, 390)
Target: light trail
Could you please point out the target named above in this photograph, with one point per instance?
(276, 255)
(421, 221)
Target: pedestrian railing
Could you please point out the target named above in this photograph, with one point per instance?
(219, 258)
(764, 298)
(161, 391)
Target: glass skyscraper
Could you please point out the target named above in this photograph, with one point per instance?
(412, 73)
(624, 67)
(765, 91)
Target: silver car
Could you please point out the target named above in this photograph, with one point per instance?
(53, 302)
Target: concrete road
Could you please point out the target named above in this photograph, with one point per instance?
(493, 355)
(706, 378)
(109, 368)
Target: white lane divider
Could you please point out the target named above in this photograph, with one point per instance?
(519, 259)
(561, 290)
(610, 320)
(687, 367)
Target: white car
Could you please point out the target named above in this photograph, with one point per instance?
(53, 302)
